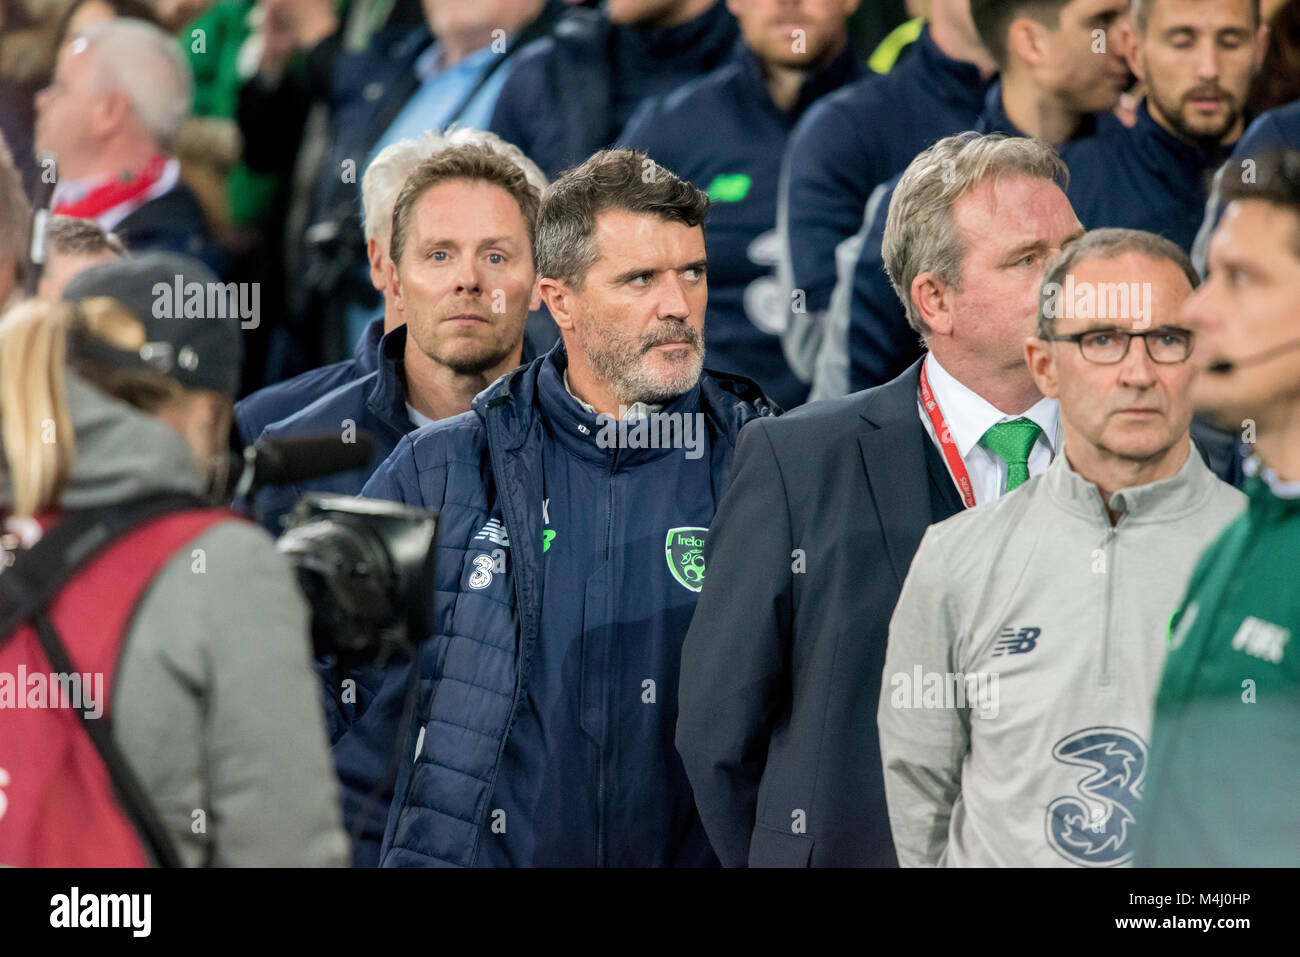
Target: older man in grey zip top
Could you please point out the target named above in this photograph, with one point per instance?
(1025, 650)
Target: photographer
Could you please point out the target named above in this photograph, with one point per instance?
(187, 623)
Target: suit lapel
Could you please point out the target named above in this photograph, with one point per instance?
(893, 455)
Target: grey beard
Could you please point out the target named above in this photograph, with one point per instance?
(622, 368)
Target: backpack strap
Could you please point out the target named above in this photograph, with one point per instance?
(39, 573)
(36, 578)
(130, 792)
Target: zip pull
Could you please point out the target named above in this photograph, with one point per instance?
(419, 745)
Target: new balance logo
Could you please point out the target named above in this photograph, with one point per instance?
(1260, 638)
(494, 532)
(1012, 641)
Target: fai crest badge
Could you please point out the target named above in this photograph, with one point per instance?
(685, 552)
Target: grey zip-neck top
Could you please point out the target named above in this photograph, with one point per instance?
(1024, 656)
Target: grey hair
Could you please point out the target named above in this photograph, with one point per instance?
(920, 230)
(565, 247)
(1107, 243)
(388, 171)
(144, 63)
(463, 135)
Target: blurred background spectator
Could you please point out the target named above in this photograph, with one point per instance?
(572, 93)
(363, 81)
(71, 246)
(15, 214)
(726, 133)
(109, 120)
(857, 138)
(1278, 80)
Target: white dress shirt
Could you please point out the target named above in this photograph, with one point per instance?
(969, 416)
(418, 419)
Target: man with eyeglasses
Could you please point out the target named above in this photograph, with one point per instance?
(1027, 645)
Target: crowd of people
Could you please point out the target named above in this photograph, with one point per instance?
(853, 441)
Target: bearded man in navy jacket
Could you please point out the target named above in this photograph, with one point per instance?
(575, 499)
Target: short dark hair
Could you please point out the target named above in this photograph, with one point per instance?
(993, 19)
(72, 236)
(1140, 10)
(473, 162)
(610, 179)
(1105, 244)
(1276, 181)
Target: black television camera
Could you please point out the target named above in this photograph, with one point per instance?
(365, 565)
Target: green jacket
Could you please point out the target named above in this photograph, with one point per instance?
(1223, 785)
(213, 44)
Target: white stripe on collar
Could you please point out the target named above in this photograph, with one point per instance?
(1255, 466)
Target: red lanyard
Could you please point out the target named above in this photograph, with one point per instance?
(956, 467)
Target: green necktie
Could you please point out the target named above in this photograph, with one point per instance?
(1011, 442)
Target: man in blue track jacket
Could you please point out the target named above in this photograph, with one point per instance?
(575, 500)
(459, 281)
(454, 321)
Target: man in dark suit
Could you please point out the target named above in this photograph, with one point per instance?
(120, 93)
(827, 505)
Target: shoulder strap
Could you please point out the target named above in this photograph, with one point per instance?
(39, 573)
(130, 792)
(36, 577)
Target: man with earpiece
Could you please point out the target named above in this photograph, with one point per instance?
(1225, 757)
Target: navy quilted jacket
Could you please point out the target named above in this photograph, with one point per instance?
(482, 470)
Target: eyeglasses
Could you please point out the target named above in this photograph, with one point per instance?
(1109, 346)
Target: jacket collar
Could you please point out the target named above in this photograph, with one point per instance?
(994, 119)
(1166, 153)
(893, 457)
(1156, 502)
(955, 81)
(387, 397)
(894, 403)
(842, 69)
(1270, 497)
(728, 402)
(682, 47)
(596, 437)
(366, 354)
